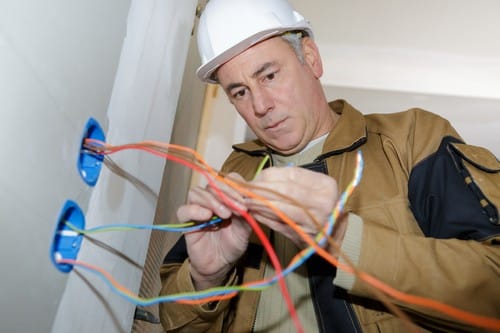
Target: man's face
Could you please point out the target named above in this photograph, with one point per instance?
(276, 94)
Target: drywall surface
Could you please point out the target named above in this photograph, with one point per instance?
(58, 60)
(61, 62)
(142, 107)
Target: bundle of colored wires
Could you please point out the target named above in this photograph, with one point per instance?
(193, 160)
(215, 293)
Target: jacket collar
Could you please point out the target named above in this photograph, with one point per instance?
(348, 134)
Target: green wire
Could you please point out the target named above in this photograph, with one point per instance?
(126, 227)
(261, 165)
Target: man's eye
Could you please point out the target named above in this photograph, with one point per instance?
(271, 76)
(240, 93)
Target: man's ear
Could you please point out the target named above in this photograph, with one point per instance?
(312, 57)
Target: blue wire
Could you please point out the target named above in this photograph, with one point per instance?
(197, 227)
(210, 292)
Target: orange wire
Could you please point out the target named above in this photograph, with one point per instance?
(145, 145)
(461, 315)
(474, 319)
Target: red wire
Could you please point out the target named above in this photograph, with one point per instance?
(277, 266)
(476, 320)
(255, 226)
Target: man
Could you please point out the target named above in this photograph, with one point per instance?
(413, 222)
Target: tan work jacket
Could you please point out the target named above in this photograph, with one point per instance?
(383, 237)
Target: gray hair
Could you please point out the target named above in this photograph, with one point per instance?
(293, 38)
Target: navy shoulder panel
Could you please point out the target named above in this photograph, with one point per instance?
(445, 200)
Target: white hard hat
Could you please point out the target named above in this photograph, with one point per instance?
(229, 27)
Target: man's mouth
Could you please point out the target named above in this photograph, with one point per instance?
(275, 124)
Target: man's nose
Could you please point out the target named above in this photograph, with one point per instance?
(262, 101)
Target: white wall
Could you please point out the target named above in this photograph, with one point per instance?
(142, 107)
(59, 66)
(58, 61)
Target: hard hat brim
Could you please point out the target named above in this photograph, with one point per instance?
(206, 71)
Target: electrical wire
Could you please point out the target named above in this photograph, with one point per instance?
(213, 293)
(480, 321)
(206, 170)
(181, 227)
(453, 312)
(192, 159)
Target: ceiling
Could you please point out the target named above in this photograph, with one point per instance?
(387, 56)
(447, 47)
(468, 28)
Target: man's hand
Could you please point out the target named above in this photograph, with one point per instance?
(313, 191)
(214, 251)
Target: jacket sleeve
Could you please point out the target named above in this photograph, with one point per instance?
(463, 274)
(457, 259)
(175, 317)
